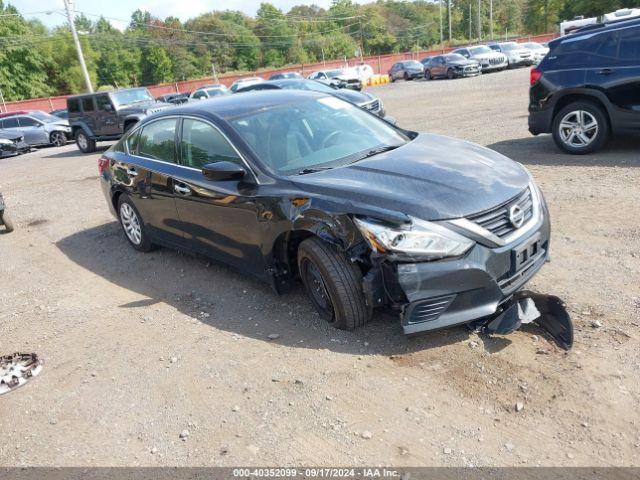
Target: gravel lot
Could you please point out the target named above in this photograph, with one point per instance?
(140, 348)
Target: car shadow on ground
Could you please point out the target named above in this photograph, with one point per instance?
(226, 300)
(541, 150)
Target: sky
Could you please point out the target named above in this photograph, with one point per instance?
(161, 8)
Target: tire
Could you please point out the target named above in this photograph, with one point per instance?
(85, 144)
(8, 224)
(330, 277)
(427, 75)
(58, 139)
(406, 77)
(577, 116)
(451, 74)
(131, 221)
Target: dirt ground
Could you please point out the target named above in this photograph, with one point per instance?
(140, 348)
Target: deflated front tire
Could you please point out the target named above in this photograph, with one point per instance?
(333, 283)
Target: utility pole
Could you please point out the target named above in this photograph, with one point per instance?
(449, 10)
(470, 29)
(68, 5)
(215, 75)
(479, 21)
(491, 19)
(441, 33)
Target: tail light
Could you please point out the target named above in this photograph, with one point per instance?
(103, 164)
(535, 76)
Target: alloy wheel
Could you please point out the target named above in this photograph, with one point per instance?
(131, 223)
(82, 141)
(578, 129)
(58, 139)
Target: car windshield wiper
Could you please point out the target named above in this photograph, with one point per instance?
(304, 171)
(376, 151)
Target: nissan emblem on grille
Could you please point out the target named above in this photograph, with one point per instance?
(516, 216)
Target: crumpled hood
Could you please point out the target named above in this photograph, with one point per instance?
(463, 63)
(432, 177)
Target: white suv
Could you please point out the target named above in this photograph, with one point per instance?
(516, 54)
(487, 58)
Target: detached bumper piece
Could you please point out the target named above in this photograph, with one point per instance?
(18, 369)
(525, 306)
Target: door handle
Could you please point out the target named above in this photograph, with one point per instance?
(606, 71)
(182, 190)
(132, 172)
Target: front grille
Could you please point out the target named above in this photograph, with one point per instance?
(428, 310)
(497, 220)
(372, 106)
(495, 61)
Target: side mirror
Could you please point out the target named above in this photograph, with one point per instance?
(221, 171)
(108, 107)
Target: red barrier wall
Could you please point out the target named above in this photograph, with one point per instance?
(379, 63)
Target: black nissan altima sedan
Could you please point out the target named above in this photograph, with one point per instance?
(288, 185)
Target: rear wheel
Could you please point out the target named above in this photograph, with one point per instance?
(427, 75)
(580, 127)
(8, 224)
(85, 144)
(333, 283)
(58, 139)
(133, 225)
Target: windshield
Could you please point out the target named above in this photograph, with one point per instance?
(44, 117)
(455, 57)
(412, 63)
(534, 46)
(317, 133)
(334, 73)
(127, 97)
(510, 46)
(480, 50)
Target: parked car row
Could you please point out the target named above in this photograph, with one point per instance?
(470, 61)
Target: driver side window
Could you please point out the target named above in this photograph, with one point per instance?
(201, 144)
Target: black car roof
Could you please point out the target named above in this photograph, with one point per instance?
(238, 105)
(105, 91)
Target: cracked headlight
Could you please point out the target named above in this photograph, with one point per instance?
(5, 141)
(420, 238)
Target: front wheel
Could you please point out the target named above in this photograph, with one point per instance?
(427, 75)
(451, 74)
(133, 226)
(580, 127)
(334, 284)
(58, 139)
(85, 144)
(4, 220)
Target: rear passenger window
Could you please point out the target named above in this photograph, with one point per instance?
(202, 144)
(157, 141)
(87, 104)
(587, 52)
(630, 45)
(27, 122)
(73, 105)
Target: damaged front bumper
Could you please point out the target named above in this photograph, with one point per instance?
(475, 289)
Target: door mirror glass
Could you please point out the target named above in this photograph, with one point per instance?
(221, 171)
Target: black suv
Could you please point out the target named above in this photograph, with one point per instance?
(107, 115)
(588, 87)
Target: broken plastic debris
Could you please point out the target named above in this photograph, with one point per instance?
(18, 369)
